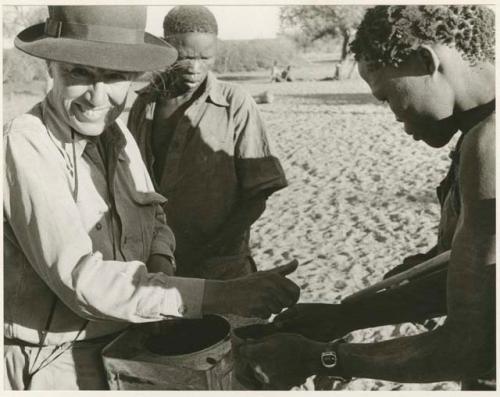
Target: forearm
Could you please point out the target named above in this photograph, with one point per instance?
(429, 357)
(245, 213)
(415, 301)
(435, 356)
(215, 297)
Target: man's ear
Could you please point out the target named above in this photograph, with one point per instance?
(429, 59)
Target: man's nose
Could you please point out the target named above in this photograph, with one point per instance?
(96, 94)
(194, 66)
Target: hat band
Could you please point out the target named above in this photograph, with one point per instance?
(106, 34)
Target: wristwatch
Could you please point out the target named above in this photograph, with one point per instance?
(330, 361)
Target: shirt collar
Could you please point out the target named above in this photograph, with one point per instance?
(214, 90)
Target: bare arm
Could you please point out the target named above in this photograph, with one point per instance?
(462, 347)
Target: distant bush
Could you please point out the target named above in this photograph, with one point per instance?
(233, 56)
(249, 55)
(19, 67)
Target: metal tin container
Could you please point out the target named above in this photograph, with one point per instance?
(176, 355)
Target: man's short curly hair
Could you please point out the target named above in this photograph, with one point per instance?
(389, 34)
(189, 19)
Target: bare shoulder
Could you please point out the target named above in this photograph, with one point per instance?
(477, 162)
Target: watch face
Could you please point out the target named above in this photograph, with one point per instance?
(329, 359)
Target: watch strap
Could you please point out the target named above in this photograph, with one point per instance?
(334, 371)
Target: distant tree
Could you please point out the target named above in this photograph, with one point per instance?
(324, 20)
(16, 18)
(19, 68)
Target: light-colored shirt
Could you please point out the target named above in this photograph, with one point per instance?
(82, 231)
(219, 154)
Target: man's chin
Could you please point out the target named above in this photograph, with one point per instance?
(191, 86)
(436, 135)
(435, 144)
(88, 129)
(96, 127)
(438, 141)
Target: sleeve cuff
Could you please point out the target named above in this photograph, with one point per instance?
(161, 248)
(183, 297)
(259, 175)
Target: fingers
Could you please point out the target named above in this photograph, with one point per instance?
(286, 269)
(261, 375)
(276, 304)
(262, 312)
(285, 290)
(285, 318)
(260, 356)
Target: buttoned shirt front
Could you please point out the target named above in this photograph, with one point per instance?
(219, 154)
(81, 219)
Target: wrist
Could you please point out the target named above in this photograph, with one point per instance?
(331, 361)
(214, 297)
(313, 352)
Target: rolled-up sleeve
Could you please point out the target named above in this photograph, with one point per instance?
(258, 169)
(41, 211)
(163, 239)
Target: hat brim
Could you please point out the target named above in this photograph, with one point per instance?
(154, 54)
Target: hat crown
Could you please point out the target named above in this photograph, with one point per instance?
(127, 17)
(108, 37)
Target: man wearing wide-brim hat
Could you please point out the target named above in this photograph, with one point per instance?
(87, 247)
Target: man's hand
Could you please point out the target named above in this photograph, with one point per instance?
(160, 263)
(318, 321)
(281, 361)
(257, 295)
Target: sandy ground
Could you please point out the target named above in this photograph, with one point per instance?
(360, 195)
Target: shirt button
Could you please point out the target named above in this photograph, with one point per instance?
(98, 226)
(182, 309)
(124, 240)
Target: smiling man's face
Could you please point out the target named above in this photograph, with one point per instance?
(87, 98)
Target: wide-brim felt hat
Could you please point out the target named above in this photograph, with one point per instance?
(108, 37)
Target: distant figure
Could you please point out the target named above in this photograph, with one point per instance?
(265, 97)
(275, 73)
(337, 71)
(286, 74)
